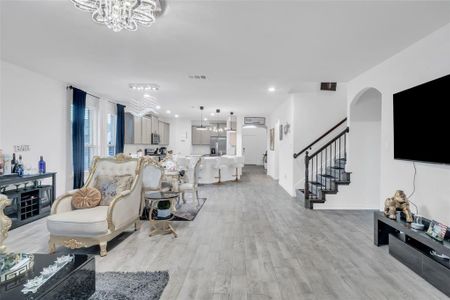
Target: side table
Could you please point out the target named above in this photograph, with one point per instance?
(158, 224)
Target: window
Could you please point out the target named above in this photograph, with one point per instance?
(111, 130)
(90, 146)
(90, 131)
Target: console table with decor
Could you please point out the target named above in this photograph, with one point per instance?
(30, 198)
(413, 248)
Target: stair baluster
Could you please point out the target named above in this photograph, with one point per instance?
(323, 174)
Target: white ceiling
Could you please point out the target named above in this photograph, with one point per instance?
(243, 47)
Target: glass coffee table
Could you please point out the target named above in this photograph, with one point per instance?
(74, 280)
(161, 224)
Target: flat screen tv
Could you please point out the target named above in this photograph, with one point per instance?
(422, 122)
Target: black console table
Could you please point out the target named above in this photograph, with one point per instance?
(30, 199)
(412, 247)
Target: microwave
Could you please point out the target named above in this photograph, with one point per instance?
(155, 139)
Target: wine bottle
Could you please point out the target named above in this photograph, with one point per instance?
(13, 164)
(42, 165)
(19, 167)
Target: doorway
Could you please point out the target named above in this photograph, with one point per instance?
(254, 145)
(365, 146)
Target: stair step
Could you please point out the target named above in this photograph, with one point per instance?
(340, 162)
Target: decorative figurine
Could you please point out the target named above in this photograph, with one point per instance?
(398, 202)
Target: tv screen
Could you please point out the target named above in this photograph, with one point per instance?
(422, 122)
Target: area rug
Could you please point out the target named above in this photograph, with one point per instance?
(130, 285)
(189, 210)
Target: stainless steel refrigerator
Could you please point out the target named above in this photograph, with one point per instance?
(219, 144)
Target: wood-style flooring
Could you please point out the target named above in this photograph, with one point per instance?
(251, 240)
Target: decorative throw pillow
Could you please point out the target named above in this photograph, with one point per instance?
(86, 198)
(111, 186)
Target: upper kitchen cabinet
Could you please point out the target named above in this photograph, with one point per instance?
(164, 133)
(129, 128)
(137, 130)
(200, 137)
(146, 130)
(155, 125)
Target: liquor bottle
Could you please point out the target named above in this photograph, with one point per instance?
(19, 166)
(42, 165)
(13, 164)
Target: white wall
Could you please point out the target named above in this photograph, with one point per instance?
(254, 140)
(35, 111)
(180, 136)
(314, 114)
(309, 115)
(423, 61)
(363, 156)
(280, 163)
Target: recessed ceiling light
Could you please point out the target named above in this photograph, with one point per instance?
(271, 89)
(205, 119)
(146, 96)
(167, 111)
(158, 107)
(212, 114)
(176, 116)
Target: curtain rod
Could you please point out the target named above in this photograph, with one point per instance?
(71, 88)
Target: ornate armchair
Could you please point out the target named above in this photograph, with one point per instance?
(5, 222)
(76, 228)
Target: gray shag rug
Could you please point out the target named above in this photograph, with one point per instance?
(130, 285)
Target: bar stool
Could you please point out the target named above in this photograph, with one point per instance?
(238, 164)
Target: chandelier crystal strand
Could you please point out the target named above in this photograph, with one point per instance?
(120, 14)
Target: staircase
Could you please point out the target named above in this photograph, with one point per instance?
(325, 168)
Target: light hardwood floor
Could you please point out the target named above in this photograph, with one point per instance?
(251, 240)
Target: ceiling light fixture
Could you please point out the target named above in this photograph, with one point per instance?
(158, 107)
(201, 120)
(144, 86)
(212, 114)
(176, 116)
(167, 111)
(121, 14)
(146, 96)
(271, 89)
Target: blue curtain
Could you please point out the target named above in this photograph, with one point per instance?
(120, 132)
(79, 107)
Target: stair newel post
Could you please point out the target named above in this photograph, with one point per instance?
(306, 175)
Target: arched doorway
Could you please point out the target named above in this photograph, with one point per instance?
(365, 146)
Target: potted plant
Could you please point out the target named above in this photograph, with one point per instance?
(163, 209)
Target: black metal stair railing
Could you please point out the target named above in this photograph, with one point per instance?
(325, 168)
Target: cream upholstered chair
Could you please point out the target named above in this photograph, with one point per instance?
(76, 228)
(152, 174)
(192, 181)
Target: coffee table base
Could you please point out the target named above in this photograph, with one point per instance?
(162, 227)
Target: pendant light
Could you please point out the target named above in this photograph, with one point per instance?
(201, 120)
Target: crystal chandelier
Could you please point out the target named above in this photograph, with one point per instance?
(120, 14)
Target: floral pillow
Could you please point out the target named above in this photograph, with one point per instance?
(111, 186)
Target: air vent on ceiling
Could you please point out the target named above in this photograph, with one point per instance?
(197, 76)
(328, 86)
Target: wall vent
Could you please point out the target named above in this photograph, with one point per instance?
(328, 86)
(197, 76)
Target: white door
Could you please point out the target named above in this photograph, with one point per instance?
(254, 145)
